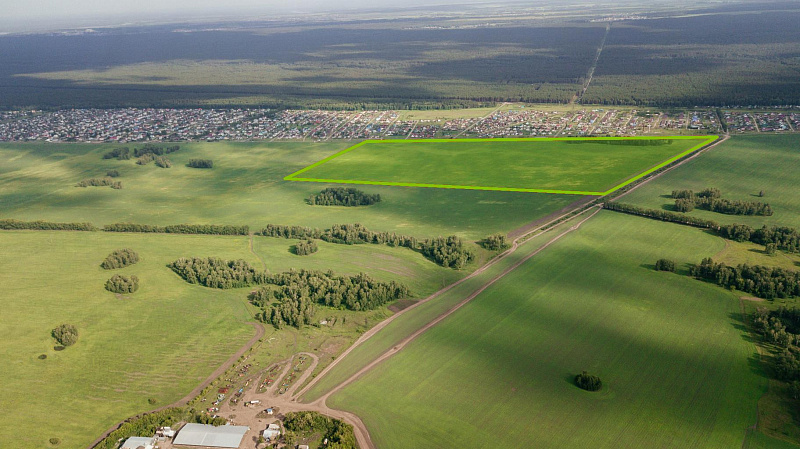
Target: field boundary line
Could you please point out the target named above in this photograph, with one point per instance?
(704, 141)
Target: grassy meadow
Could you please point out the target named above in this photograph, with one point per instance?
(740, 167)
(246, 186)
(159, 342)
(671, 351)
(589, 166)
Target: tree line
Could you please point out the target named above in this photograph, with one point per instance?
(179, 229)
(340, 196)
(710, 199)
(122, 284)
(663, 215)
(39, 225)
(100, 182)
(200, 163)
(759, 280)
(445, 251)
(338, 434)
(120, 258)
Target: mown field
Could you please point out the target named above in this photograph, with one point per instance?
(159, 342)
(671, 351)
(246, 186)
(576, 165)
(741, 167)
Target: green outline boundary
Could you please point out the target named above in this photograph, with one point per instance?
(706, 140)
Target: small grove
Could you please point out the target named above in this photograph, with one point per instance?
(100, 182)
(120, 258)
(200, 163)
(122, 284)
(762, 281)
(340, 196)
(65, 334)
(338, 434)
(710, 199)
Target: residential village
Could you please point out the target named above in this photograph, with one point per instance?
(146, 125)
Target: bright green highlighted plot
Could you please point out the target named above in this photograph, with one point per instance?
(570, 165)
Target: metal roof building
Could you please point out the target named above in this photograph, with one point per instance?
(210, 436)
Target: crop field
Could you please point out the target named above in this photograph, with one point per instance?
(246, 186)
(740, 167)
(670, 350)
(159, 342)
(578, 166)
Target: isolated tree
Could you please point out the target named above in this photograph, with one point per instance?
(588, 382)
(65, 334)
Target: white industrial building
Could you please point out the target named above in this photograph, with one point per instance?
(209, 436)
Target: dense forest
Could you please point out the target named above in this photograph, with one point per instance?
(120, 258)
(340, 196)
(762, 281)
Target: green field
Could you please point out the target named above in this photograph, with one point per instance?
(245, 186)
(498, 373)
(579, 166)
(160, 342)
(740, 167)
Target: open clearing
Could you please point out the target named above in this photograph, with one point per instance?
(578, 166)
(159, 342)
(670, 351)
(246, 186)
(740, 167)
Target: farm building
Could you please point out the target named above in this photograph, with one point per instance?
(138, 442)
(272, 431)
(209, 436)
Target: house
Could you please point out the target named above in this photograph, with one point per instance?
(302, 446)
(272, 432)
(207, 435)
(138, 443)
(270, 411)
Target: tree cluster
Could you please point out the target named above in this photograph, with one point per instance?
(762, 281)
(218, 273)
(709, 199)
(178, 229)
(145, 159)
(339, 434)
(665, 265)
(495, 242)
(781, 329)
(340, 196)
(200, 163)
(100, 182)
(122, 154)
(588, 382)
(447, 251)
(305, 247)
(122, 284)
(65, 334)
(120, 258)
(112, 173)
(155, 150)
(782, 237)
(11, 224)
(163, 162)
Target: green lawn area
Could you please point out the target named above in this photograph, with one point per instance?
(246, 186)
(671, 351)
(740, 167)
(159, 342)
(587, 166)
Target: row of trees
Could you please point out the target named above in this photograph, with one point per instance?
(200, 163)
(495, 242)
(179, 229)
(11, 225)
(340, 196)
(65, 334)
(122, 284)
(762, 281)
(100, 182)
(662, 215)
(338, 434)
(305, 247)
(445, 251)
(120, 258)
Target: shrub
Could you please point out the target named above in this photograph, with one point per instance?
(42, 356)
(665, 265)
(588, 382)
(122, 284)
(145, 159)
(65, 334)
(163, 162)
(120, 258)
(152, 401)
(200, 163)
(305, 247)
(112, 173)
(55, 441)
